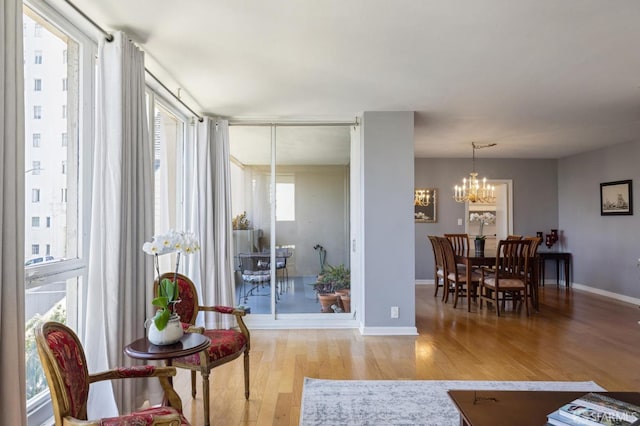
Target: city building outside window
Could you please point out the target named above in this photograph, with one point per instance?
(37, 112)
(35, 221)
(37, 85)
(35, 195)
(35, 140)
(35, 167)
(38, 57)
(35, 249)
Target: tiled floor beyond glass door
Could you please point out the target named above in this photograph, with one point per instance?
(296, 296)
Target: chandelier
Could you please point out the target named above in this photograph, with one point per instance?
(422, 197)
(472, 189)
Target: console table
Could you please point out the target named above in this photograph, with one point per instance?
(522, 408)
(558, 256)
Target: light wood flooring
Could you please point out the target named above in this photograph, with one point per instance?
(575, 336)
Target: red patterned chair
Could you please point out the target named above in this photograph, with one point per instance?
(226, 345)
(65, 367)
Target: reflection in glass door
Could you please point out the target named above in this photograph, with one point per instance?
(310, 183)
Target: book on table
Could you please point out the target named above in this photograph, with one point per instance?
(597, 410)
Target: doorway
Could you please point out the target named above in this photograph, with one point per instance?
(503, 211)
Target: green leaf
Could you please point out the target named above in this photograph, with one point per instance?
(161, 302)
(161, 319)
(168, 289)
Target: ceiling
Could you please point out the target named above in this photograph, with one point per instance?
(541, 78)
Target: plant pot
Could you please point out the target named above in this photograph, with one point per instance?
(326, 300)
(346, 303)
(479, 247)
(169, 335)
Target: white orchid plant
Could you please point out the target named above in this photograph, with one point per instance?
(486, 218)
(168, 294)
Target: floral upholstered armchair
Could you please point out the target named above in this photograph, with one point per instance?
(65, 367)
(226, 345)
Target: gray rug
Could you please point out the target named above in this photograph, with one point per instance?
(400, 402)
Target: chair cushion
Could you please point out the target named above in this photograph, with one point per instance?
(223, 344)
(505, 283)
(462, 276)
(143, 417)
(256, 276)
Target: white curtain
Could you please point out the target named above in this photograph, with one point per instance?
(12, 374)
(120, 274)
(211, 219)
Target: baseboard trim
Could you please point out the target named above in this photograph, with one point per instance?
(425, 282)
(389, 331)
(605, 293)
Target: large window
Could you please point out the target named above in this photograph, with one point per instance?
(54, 253)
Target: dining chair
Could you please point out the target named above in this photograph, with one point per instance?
(514, 237)
(460, 243)
(509, 279)
(226, 345)
(534, 269)
(65, 367)
(456, 277)
(439, 276)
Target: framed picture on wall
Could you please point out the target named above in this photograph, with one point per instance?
(616, 198)
(424, 204)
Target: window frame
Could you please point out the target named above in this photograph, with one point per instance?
(69, 22)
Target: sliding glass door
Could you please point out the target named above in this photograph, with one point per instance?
(291, 183)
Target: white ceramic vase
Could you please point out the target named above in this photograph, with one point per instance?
(169, 335)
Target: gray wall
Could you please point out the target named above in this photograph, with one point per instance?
(535, 198)
(605, 248)
(387, 181)
(322, 217)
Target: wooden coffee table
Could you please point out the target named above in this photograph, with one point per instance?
(522, 408)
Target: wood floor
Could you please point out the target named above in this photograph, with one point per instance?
(575, 336)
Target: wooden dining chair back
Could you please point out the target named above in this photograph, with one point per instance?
(456, 277)
(439, 275)
(509, 279)
(534, 268)
(65, 367)
(514, 237)
(460, 243)
(226, 345)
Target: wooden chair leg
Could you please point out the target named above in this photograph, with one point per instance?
(205, 397)
(246, 374)
(193, 383)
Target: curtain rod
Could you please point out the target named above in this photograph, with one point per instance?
(109, 38)
(293, 123)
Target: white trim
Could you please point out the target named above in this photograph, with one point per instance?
(425, 282)
(301, 321)
(389, 331)
(605, 293)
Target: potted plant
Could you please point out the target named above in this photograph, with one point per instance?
(486, 218)
(164, 327)
(333, 284)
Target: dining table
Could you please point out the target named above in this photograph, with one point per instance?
(470, 260)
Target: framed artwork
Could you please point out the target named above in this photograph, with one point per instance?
(616, 198)
(424, 205)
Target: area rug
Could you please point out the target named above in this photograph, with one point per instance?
(400, 402)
